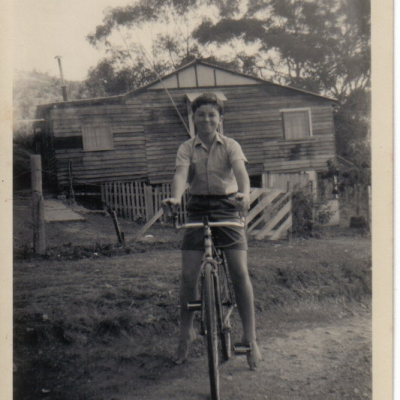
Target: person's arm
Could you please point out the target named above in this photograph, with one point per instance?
(179, 182)
(178, 186)
(243, 181)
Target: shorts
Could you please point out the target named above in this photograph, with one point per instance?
(216, 208)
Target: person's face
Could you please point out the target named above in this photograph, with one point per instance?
(207, 119)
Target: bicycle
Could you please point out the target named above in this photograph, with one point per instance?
(217, 302)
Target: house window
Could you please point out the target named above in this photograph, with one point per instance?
(190, 98)
(297, 123)
(97, 137)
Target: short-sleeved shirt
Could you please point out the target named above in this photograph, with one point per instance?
(210, 171)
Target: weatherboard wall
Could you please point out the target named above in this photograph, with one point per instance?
(126, 161)
(148, 128)
(252, 117)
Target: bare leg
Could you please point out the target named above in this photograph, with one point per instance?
(237, 262)
(191, 261)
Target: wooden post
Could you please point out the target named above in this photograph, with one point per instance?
(39, 238)
(148, 192)
(120, 235)
(148, 224)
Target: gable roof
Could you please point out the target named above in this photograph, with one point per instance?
(160, 84)
(251, 78)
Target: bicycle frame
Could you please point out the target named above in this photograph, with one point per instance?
(213, 323)
(208, 257)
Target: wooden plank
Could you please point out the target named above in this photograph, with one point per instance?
(312, 145)
(298, 150)
(270, 196)
(108, 154)
(129, 200)
(278, 234)
(118, 231)
(116, 196)
(274, 220)
(149, 224)
(302, 163)
(149, 201)
(287, 162)
(137, 200)
(251, 228)
(273, 146)
(141, 197)
(89, 167)
(107, 174)
(255, 193)
(125, 200)
(132, 201)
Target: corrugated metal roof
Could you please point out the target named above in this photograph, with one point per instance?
(193, 95)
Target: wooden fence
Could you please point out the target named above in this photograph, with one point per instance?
(137, 201)
(269, 216)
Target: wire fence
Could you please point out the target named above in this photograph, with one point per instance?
(89, 220)
(355, 201)
(73, 230)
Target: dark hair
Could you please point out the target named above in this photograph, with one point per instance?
(208, 98)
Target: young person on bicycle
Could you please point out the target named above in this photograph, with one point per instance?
(219, 187)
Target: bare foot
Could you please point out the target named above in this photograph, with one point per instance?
(254, 356)
(183, 348)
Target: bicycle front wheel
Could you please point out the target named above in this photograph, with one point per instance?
(224, 293)
(211, 330)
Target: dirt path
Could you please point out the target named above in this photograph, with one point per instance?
(321, 362)
(91, 324)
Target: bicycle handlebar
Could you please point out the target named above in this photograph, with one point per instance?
(174, 215)
(210, 224)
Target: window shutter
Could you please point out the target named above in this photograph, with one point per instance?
(97, 137)
(296, 124)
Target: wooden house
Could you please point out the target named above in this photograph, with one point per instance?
(287, 134)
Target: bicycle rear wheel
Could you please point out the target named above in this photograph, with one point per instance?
(211, 330)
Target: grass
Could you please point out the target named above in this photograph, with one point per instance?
(94, 320)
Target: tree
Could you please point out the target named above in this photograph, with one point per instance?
(107, 79)
(132, 61)
(31, 88)
(322, 46)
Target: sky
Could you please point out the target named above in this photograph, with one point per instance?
(44, 29)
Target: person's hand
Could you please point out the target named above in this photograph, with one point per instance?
(243, 201)
(170, 205)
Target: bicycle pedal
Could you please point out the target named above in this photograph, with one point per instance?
(241, 349)
(194, 305)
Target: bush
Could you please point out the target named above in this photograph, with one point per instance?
(309, 214)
